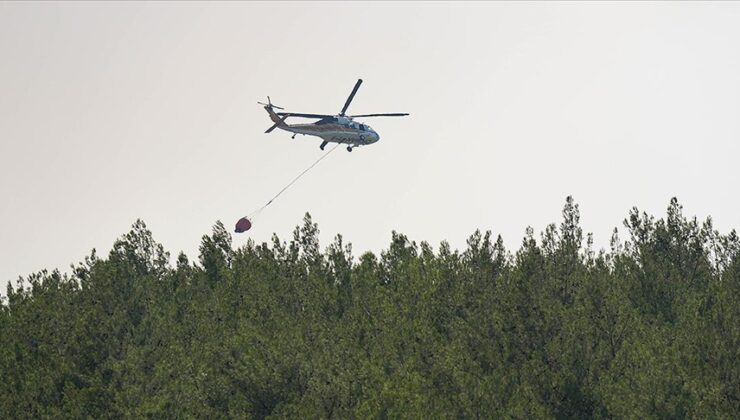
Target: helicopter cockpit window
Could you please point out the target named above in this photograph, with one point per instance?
(363, 127)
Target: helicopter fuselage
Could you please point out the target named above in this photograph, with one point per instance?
(342, 130)
(338, 129)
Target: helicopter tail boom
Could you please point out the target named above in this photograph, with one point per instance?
(278, 120)
(273, 116)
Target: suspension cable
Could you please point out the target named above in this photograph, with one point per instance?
(256, 212)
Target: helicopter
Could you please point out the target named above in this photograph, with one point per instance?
(340, 128)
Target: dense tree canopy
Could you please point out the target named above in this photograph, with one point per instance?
(647, 329)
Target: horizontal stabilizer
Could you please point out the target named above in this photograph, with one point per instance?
(281, 122)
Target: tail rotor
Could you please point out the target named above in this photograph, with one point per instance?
(277, 119)
(269, 104)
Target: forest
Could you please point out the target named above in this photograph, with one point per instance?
(553, 328)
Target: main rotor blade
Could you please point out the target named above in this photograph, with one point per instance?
(292, 114)
(351, 95)
(397, 114)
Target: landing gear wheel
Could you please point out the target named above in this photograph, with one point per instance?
(349, 148)
(323, 144)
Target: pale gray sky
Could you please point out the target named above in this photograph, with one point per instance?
(115, 111)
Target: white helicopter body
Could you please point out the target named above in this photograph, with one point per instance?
(340, 128)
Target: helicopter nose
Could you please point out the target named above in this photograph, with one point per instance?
(376, 137)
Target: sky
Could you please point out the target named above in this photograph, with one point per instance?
(111, 112)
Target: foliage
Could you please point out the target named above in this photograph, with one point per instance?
(648, 329)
